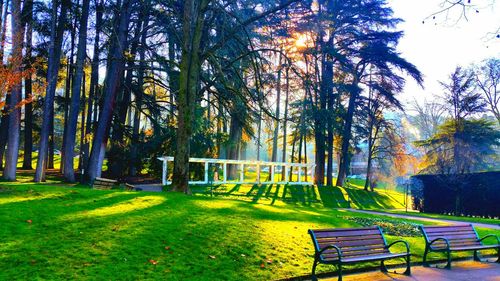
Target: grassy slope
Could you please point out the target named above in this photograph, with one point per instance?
(332, 197)
(104, 235)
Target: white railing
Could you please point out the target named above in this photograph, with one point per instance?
(305, 171)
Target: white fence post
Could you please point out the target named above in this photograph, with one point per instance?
(242, 172)
(225, 173)
(165, 170)
(206, 172)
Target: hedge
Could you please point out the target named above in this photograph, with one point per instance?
(475, 194)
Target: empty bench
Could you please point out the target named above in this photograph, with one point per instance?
(341, 246)
(102, 183)
(455, 238)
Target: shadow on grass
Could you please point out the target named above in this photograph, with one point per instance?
(332, 197)
(370, 200)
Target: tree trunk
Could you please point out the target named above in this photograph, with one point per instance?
(4, 126)
(4, 129)
(94, 85)
(234, 145)
(70, 141)
(190, 68)
(274, 154)
(116, 165)
(285, 119)
(56, 37)
(28, 108)
(12, 152)
(82, 122)
(4, 30)
(66, 103)
(114, 75)
(135, 163)
(259, 133)
(346, 138)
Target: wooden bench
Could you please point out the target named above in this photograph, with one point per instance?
(102, 183)
(129, 187)
(455, 238)
(353, 245)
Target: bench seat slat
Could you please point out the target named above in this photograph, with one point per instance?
(324, 234)
(453, 228)
(357, 253)
(348, 238)
(455, 237)
(478, 247)
(451, 233)
(342, 244)
(374, 257)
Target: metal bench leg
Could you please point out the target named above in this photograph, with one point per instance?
(313, 274)
(448, 265)
(425, 263)
(476, 256)
(408, 266)
(383, 268)
(340, 272)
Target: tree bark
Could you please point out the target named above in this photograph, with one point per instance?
(346, 138)
(94, 85)
(135, 163)
(4, 129)
(274, 154)
(235, 136)
(11, 155)
(67, 98)
(28, 89)
(190, 67)
(56, 37)
(116, 165)
(114, 75)
(285, 119)
(70, 141)
(4, 126)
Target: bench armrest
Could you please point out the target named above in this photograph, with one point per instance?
(400, 241)
(339, 252)
(490, 235)
(441, 238)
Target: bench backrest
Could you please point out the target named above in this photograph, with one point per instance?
(102, 183)
(352, 242)
(457, 235)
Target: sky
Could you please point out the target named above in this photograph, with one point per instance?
(438, 46)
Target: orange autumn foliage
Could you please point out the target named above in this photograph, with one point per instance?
(9, 78)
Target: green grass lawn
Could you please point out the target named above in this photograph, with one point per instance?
(446, 217)
(308, 195)
(53, 232)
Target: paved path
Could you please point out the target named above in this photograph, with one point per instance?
(149, 187)
(410, 217)
(461, 271)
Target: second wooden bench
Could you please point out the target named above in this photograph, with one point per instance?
(455, 238)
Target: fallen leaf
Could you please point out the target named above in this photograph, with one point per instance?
(29, 221)
(167, 248)
(153, 262)
(212, 257)
(269, 261)
(262, 265)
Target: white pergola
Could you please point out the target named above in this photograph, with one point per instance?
(302, 170)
